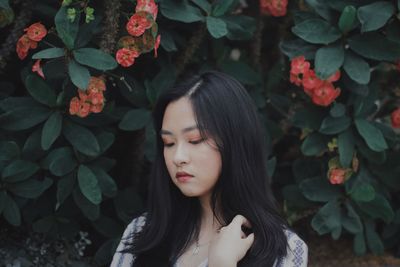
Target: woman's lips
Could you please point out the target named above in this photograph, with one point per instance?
(183, 179)
(183, 176)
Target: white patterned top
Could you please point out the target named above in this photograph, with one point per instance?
(297, 251)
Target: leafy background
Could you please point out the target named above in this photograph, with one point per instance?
(82, 179)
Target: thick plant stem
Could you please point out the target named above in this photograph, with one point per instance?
(111, 25)
(16, 32)
(190, 50)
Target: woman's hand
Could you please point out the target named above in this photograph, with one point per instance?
(230, 245)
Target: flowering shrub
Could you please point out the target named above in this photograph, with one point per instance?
(76, 128)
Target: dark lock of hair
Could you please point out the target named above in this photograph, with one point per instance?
(223, 110)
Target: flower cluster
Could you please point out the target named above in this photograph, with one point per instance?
(34, 34)
(276, 8)
(395, 118)
(89, 101)
(142, 37)
(322, 92)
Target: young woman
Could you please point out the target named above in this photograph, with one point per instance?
(209, 203)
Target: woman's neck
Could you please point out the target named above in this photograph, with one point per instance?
(209, 223)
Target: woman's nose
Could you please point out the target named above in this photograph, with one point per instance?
(181, 155)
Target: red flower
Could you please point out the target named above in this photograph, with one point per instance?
(37, 68)
(74, 106)
(295, 79)
(138, 24)
(36, 32)
(23, 46)
(310, 82)
(157, 44)
(96, 108)
(395, 118)
(276, 8)
(299, 65)
(334, 77)
(337, 176)
(148, 6)
(325, 94)
(126, 57)
(84, 109)
(96, 84)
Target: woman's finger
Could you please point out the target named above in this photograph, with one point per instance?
(240, 220)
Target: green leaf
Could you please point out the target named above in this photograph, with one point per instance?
(216, 27)
(328, 60)
(40, 91)
(81, 138)
(371, 135)
(314, 144)
(359, 246)
(294, 198)
(66, 29)
(90, 210)
(19, 170)
(316, 31)
(347, 19)
(221, 7)
(203, 4)
(22, 118)
(379, 207)
(375, 15)
(107, 184)
(363, 193)
(79, 75)
(346, 148)
(337, 110)
(105, 139)
(331, 125)
(88, 185)
(351, 221)
(60, 161)
(135, 119)
(375, 46)
(328, 218)
(32, 150)
(180, 11)
(357, 68)
(307, 117)
(64, 188)
(11, 211)
(374, 242)
(31, 188)
(4, 4)
(53, 52)
(8, 150)
(95, 58)
(51, 130)
(319, 189)
(240, 27)
(241, 71)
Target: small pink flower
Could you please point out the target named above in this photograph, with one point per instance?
(37, 68)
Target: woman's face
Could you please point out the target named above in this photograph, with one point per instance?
(193, 163)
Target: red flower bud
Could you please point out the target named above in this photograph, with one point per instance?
(395, 118)
(337, 176)
(325, 94)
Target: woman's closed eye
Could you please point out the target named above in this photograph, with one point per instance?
(193, 142)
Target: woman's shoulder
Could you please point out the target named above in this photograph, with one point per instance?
(135, 225)
(297, 251)
(120, 258)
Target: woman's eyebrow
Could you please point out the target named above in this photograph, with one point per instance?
(184, 130)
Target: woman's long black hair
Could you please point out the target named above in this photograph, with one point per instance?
(223, 110)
